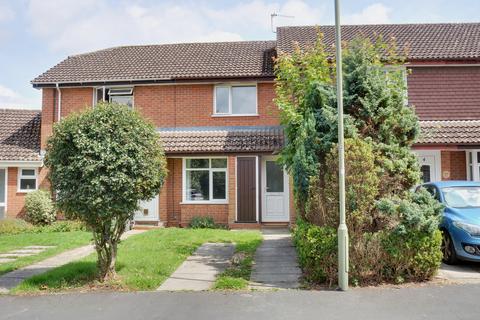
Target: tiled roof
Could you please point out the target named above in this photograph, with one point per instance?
(19, 135)
(222, 139)
(443, 41)
(449, 132)
(166, 62)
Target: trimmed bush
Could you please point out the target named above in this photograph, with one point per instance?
(201, 222)
(39, 208)
(317, 251)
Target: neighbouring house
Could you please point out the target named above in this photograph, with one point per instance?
(213, 105)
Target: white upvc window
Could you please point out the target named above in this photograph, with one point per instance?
(120, 95)
(235, 100)
(27, 179)
(205, 180)
(473, 165)
(3, 192)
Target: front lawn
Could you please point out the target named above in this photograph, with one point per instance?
(61, 240)
(144, 261)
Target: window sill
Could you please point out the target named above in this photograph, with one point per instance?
(205, 202)
(234, 115)
(26, 191)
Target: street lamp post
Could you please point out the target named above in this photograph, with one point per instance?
(342, 228)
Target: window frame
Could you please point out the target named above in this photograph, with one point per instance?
(474, 165)
(5, 203)
(210, 184)
(230, 104)
(104, 93)
(20, 176)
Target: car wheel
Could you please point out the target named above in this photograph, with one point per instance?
(448, 249)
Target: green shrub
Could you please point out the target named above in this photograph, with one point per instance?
(412, 256)
(14, 226)
(317, 251)
(39, 208)
(202, 222)
(63, 226)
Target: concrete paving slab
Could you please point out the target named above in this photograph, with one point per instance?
(15, 255)
(14, 278)
(6, 260)
(276, 265)
(200, 270)
(31, 251)
(39, 247)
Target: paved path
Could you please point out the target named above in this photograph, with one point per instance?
(13, 255)
(275, 265)
(14, 278)
(463, 272)
(412, 303)
(200, 270)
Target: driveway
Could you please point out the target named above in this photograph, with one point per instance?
(425, 302)
(464, 272)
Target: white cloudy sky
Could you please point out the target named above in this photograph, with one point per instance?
(37, 34)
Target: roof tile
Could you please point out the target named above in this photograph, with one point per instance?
(222, 139)
(449, 132)
(442, 41)
(166, 62)
(19, 135)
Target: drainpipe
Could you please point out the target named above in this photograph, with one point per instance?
(59, 102)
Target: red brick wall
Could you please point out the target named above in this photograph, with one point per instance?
(453, 165)
(445, 92)
(192, 105)
(48, 115)
(173, 106)
(16, 200)
(76, 99)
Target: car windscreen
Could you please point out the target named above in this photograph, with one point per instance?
(462, 197)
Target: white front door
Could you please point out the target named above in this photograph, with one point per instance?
(148, 210)
(275, 192)
(3, 193)
(429, 162)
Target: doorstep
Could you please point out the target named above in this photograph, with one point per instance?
(147, 225)
(242, 225)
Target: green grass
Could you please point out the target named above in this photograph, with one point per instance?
(238, 275)
(62, 240)
(144, 261)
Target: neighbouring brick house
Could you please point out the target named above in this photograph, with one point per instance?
(213, 106)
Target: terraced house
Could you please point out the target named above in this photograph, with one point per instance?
(213, 105)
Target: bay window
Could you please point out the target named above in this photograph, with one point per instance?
(235, 100)
(205, 180)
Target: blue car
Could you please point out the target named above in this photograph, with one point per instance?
(461, 219)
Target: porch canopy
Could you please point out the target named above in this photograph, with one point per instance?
(245, 139)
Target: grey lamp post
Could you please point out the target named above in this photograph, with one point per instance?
(342, 228)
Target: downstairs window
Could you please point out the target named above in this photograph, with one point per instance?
(205, 180)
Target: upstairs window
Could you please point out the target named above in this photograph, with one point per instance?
(235, 100)
(120, 95)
